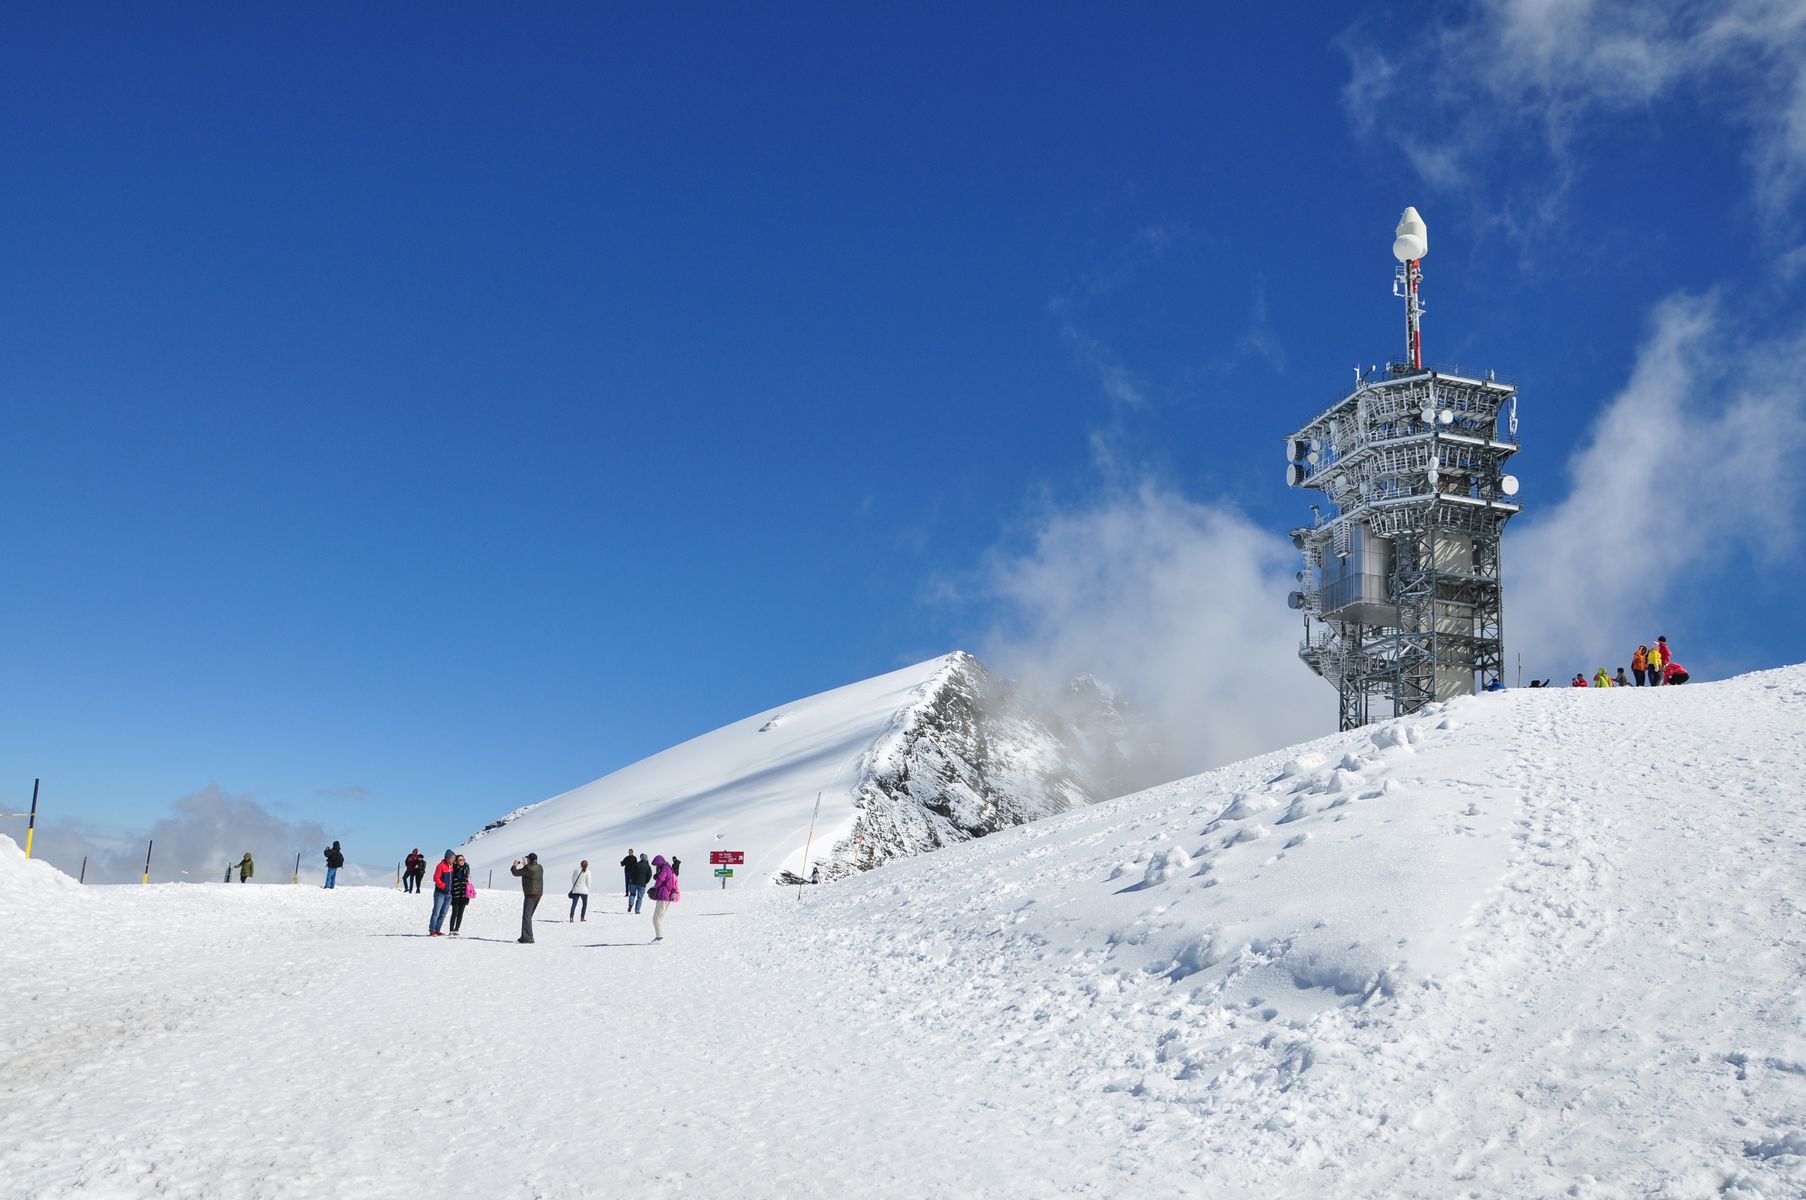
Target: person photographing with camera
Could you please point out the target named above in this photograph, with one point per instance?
(532, 886)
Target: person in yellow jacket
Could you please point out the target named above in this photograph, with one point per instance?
(1601, 679)
(1638, 662)
(1654, 664)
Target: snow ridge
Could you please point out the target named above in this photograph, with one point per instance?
(926, 757)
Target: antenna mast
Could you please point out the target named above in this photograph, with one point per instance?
(1411, 241)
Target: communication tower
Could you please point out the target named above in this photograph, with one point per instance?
(1400, 589)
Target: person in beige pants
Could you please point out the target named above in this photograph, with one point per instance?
(664, 894)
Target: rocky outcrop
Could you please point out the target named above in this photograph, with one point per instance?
(974, 755)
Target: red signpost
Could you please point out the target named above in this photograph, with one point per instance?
(724, 862)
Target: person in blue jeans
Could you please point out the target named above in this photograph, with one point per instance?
(335, 858)
(636, 889)
(442, 895)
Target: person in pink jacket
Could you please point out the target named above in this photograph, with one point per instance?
(664, 894)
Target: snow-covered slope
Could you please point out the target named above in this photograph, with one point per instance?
(920, 758)
(1534, 944)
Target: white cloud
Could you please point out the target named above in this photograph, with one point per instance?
(1179, 605)
(1689, 470)
(204, 832)
(1492, 80)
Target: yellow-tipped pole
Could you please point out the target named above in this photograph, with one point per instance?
(31, 826)
(147, 853)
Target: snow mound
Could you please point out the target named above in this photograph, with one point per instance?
(1458, 927)
(30, 884)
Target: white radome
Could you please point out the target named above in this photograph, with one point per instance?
(1412, 238)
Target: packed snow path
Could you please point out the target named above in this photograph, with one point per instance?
(1531, 944)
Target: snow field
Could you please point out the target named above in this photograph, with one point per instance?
(1540, 943)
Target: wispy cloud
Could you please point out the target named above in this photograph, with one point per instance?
(1262, 339)
(204, 832)
(1121, 385)
(1691, 469)
(1491, 81)
(356, 793)
(1180, 605)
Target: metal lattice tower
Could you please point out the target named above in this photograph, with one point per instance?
(1401, 587)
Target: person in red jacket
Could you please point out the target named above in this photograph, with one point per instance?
(1674, 673)
(441, 895)
(416, 872)
(1579, 680)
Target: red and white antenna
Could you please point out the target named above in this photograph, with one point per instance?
(1410, 242)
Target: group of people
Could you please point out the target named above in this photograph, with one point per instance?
(452, 892)
(453, 889)
(637, 873)
(1653, 666)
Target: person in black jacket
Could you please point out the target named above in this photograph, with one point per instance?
(676, 865)
(641, 875)
(457, 885)
(335, 858)
(627, 865)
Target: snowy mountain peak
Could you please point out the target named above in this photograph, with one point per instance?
(933, 754)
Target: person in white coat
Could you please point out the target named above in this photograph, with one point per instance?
(579, 892)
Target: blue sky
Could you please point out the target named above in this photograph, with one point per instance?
(413, 414)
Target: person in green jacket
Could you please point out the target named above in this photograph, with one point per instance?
(532, 878)
(245, 870)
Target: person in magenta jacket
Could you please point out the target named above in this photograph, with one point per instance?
(664, 894)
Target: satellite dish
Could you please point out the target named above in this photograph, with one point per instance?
(1508, 484)
(1294, 449)
(1411, 240)
(1433, 475)
(1446, 416)
(1294, 474)
(1313, 457)
(1299, 577)
(1429, 416)
(1295, 600)
(1316, 444)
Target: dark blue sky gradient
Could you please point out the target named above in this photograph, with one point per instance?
(461, 403)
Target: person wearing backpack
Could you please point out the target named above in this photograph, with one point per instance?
(441, 895)
(627, 866)
(460, 889)
(636, 891)
(579, 891)
(335, 858)
(532, 878)
(664, 895)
